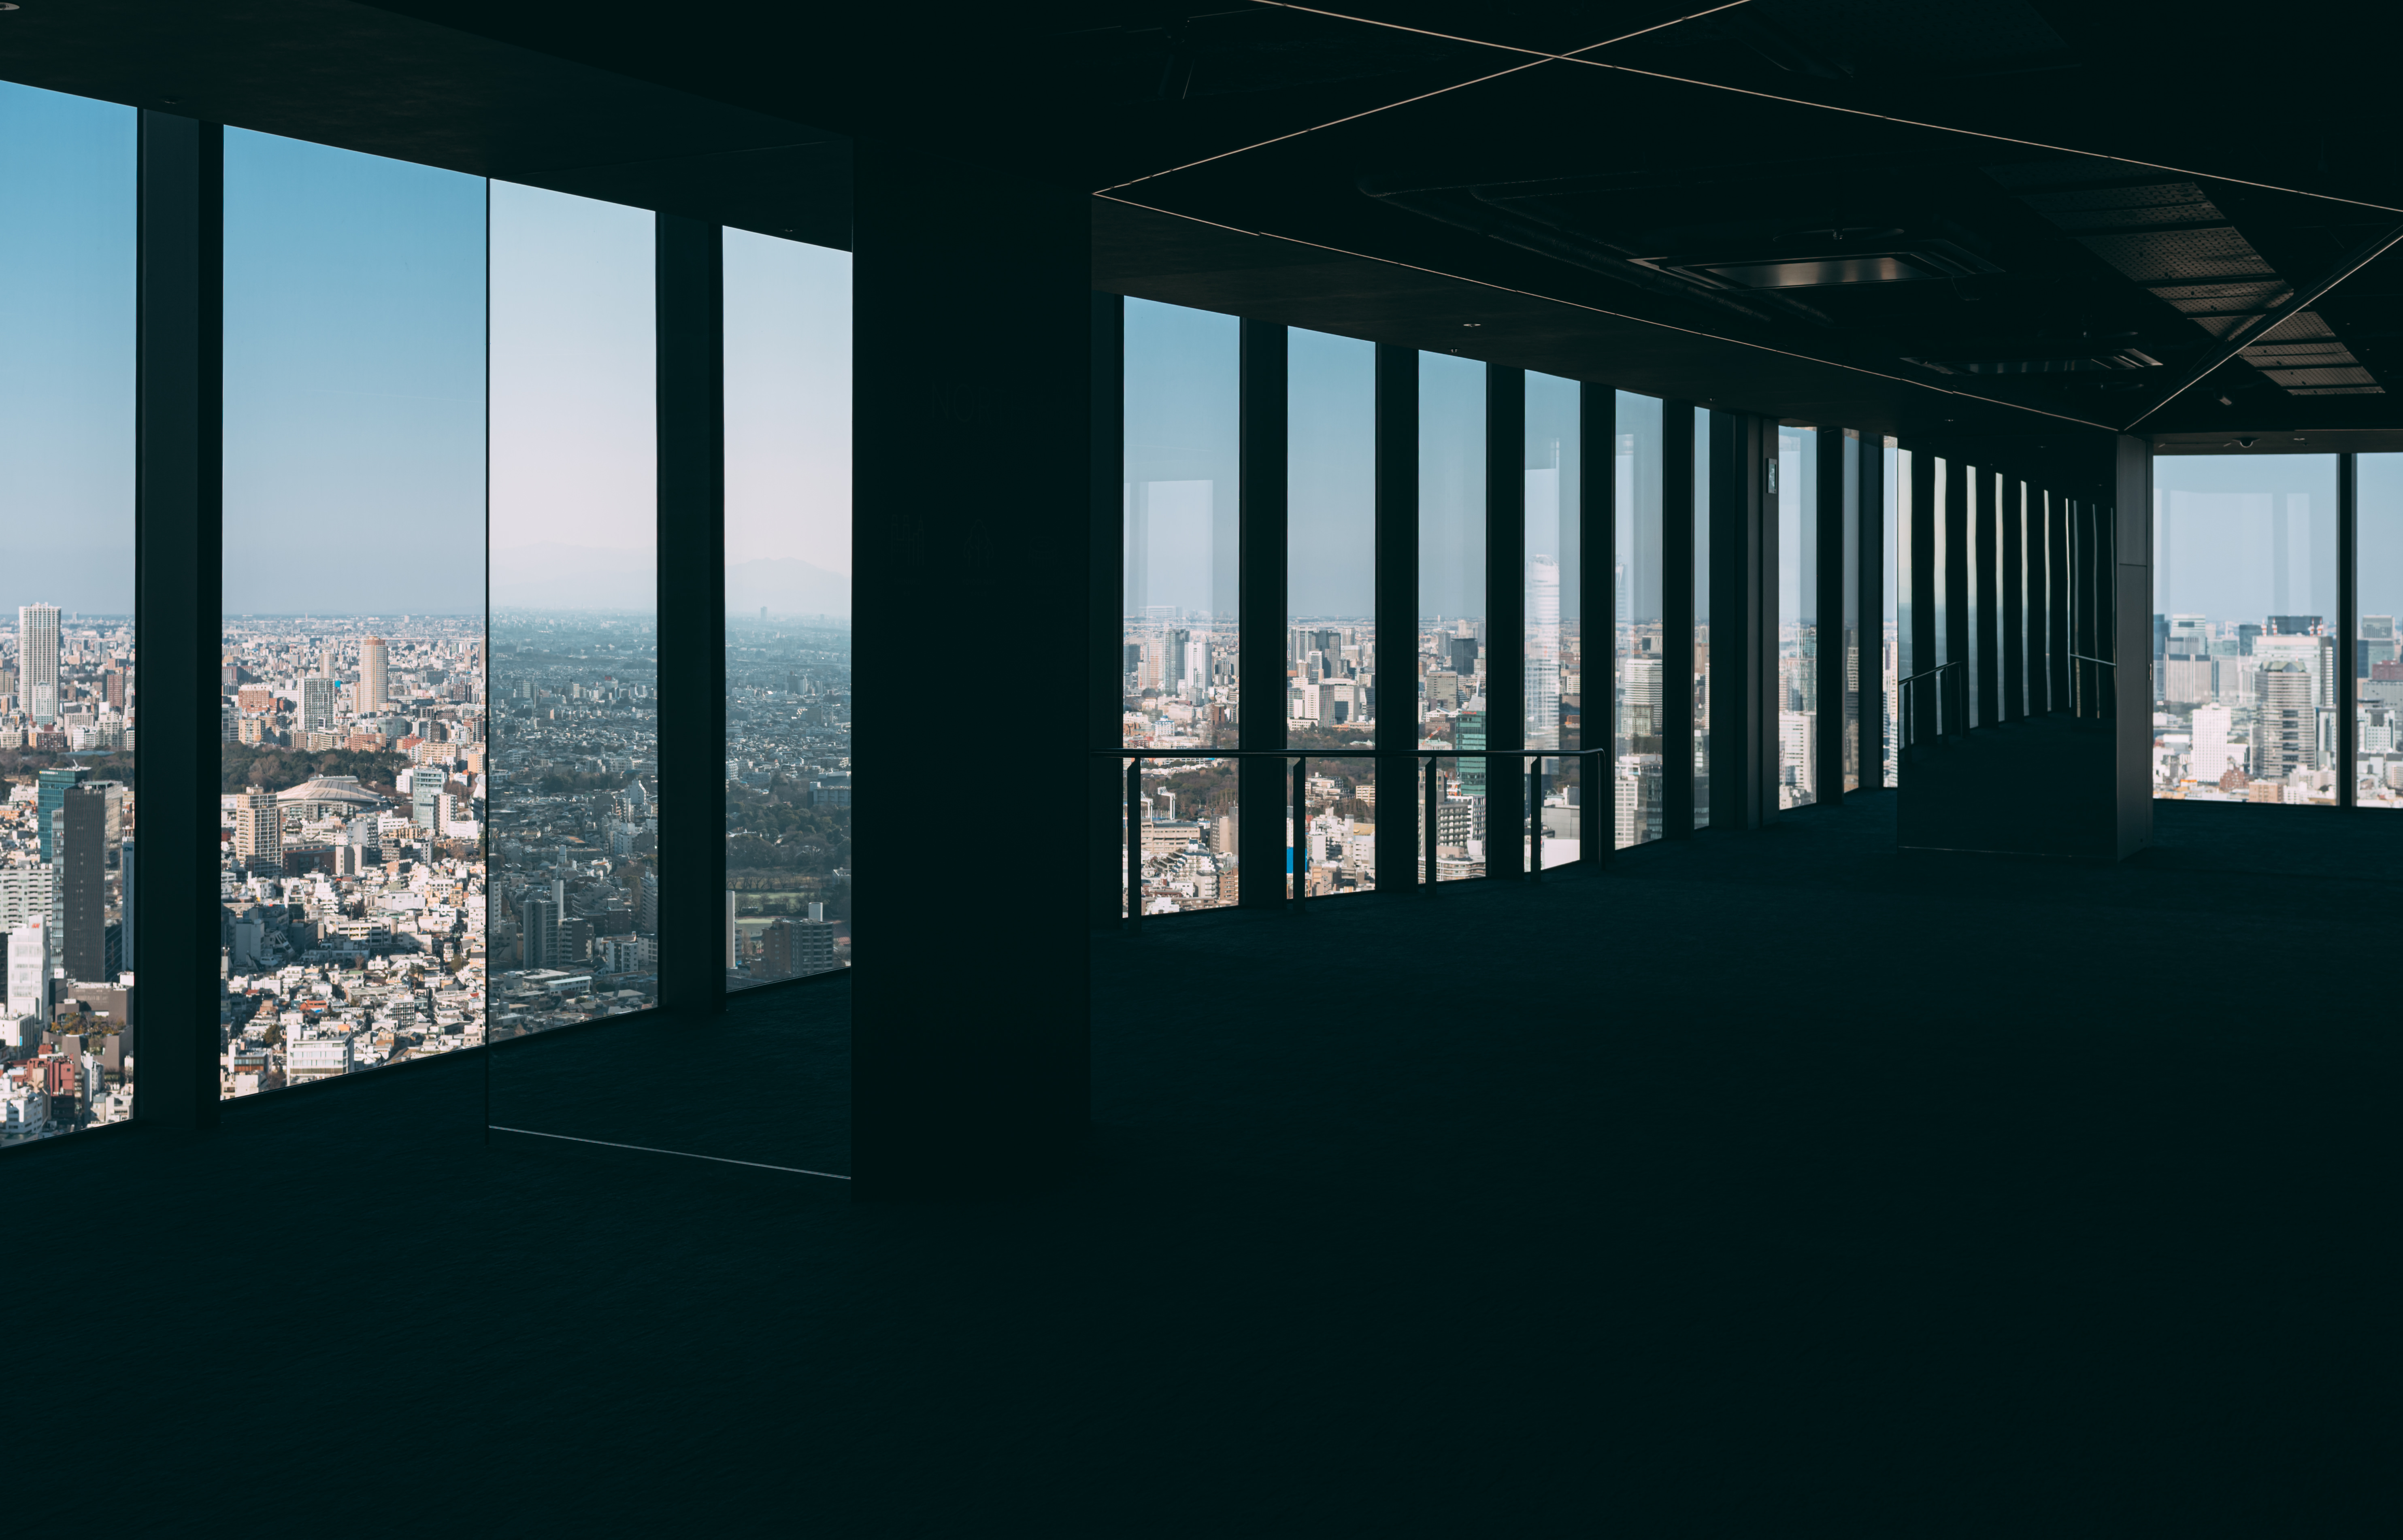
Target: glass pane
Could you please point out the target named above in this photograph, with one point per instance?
(1701, 618)
(1898, 608)
(1635, 800)
(1554, 468)
(787, 608)
(2244, 650)
(354, 781)
(1181, 503)
(1851, 515)
(1451, 602)
(2377, 652)
(1331, 600)
(67, 856)
(1798, 626)
(574, 646)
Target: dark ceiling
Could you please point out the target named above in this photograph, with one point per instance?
(2018, 218)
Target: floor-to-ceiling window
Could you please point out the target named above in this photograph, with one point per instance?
(1181, 508)
(354, 775)
(68, 856)
(1555, 531)
(1452, 604)
(1798, 612)
(2377, 651)
(788, 765)
(575, 677)
(2245, 649)
(1333, 682)
(1635, 575)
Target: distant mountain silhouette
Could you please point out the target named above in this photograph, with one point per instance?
(552, 576)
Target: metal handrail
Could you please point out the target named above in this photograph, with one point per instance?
(1949, 723)
(1297, 851)
(2105, 661)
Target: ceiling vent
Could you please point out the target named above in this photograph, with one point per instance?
(1835, 257)
(2092, 363)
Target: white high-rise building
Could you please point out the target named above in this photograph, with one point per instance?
(318, 703)
(29, 892)
(1543, 652)
(2210, 756)
(37, 650)
(29, 969)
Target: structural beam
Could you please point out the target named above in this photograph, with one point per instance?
(1677, 682)
(1396, 582)
(695, 927)
(954, 1090)
(1597, 515)
(1871, 611)
(1104, 609)
(1834, 637)
(179, 547)
(1506, 619)
(2348, 630)
(1265, 635)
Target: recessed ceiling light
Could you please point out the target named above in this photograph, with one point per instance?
(1472, 324)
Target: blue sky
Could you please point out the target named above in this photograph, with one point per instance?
(356, 376)
(66, 351)
(354, 382)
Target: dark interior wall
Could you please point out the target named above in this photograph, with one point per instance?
(2132, 639)
(972, 540)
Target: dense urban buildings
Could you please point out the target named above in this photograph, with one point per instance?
(68, 869)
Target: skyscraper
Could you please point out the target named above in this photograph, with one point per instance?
(258, 831)
(83, 861)
(373, 661)
(2285, 729)
(1543, 653)
(317, 698)
(539, 931)
(53, 787)
(37, 645)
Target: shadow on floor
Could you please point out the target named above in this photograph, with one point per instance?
(1763, 1186)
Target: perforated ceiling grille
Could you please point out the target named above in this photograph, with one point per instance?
(2169, 236)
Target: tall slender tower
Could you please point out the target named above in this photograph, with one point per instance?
(37, 644)
(1543, 652)
(372, 659)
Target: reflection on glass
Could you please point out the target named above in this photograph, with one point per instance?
(353, 764)
(1701, 618)
(1181, 502)
(576, 834)
(1452, 604)
(787, 608)
(1330, 655)
(1851, 515)
(1797, 624)
(1554, 466)
(2245, 649)
(2377, 651)
(68, 862)
(1896, 496)
(1636, 575)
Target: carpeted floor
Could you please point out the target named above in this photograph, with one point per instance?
(1765, 1185)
